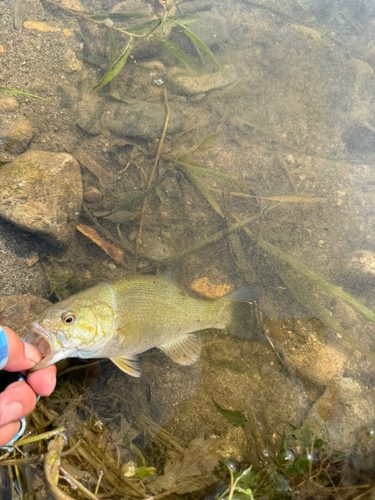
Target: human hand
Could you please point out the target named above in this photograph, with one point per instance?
(19, 398)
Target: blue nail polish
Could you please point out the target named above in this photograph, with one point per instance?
(4, 350)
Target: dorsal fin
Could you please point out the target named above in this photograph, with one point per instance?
(128, 364)
(185, 350)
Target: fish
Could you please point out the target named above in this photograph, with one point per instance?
(121, 319)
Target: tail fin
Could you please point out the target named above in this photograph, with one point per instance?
(247, 293)
(246, 321)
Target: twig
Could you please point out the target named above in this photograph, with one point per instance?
(152, 176)
(21, 461)
(39, 437)
(333, 484)
(125, 245)
(72, 448)
(87, 493)
(256, 427)
(315, 475)
(80, 367)
(287, 173)
(359, 496)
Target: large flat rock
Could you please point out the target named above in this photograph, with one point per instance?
(41, 192)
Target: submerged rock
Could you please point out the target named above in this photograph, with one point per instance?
(361, 266)
(16, 311)
(341, 413)
(210, 27)
(199, 84)
(15, 136)
(8, 103)
(144, 119)
(92, 195)
(359, 139)
(72, 63)
(307, 353)
(135, 6)
(16, 274)
(41, 192)
(72, 4)
(89, 113)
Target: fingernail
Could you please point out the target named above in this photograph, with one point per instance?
(11, 412)
(32, 354)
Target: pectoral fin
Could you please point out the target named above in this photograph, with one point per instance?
(185, 350)
(128, 364)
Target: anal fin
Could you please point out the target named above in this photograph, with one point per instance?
(128, 364)
(185, 350)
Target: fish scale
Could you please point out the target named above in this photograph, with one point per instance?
(157, 309)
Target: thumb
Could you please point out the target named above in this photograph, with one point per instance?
(21, 355)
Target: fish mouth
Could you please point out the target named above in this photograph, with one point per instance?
(40, 337)
(49, 346)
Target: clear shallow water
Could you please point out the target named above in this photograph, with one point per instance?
(290, 118)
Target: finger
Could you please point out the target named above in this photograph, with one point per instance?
(8, 431)
(16, 401)
(43, 381)
(22, 355)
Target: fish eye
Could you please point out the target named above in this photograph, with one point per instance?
(68, 318)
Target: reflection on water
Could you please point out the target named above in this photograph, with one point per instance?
(225, 143)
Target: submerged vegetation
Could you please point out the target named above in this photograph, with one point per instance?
(154, 30)
(6, 90)
(80, 461)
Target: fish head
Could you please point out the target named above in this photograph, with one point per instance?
(79, 326)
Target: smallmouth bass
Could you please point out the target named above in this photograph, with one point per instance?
(121, 319)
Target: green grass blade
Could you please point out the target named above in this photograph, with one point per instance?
(318, 280)
(116, 67)
(184, 59)
(201, 188)
(117, 16)
(206, 172)
(201, 45)
(170, 21)
(5, 90)
(144, 28)
(190, 18)
(111, 47)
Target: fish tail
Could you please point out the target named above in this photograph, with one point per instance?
(246, 321)
(246, 317)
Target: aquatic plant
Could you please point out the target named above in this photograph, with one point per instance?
(154, 29)
(6, 90)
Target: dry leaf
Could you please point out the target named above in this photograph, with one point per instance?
(115, 253)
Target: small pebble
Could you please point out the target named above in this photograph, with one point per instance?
(92, 195)
(8, 103)
(361, 265)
